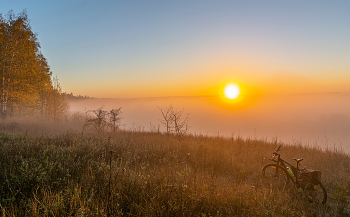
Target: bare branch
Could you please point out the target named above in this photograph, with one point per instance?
(173, 121)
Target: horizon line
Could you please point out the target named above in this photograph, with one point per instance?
(199, 96)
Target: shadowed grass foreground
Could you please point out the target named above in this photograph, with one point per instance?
(151, 174)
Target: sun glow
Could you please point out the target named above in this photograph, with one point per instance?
(232, 91)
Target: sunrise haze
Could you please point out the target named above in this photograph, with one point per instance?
(123, 49)
(174, 108)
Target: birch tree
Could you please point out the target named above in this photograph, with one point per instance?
(52, 105)
(19, 48)
(25, 73)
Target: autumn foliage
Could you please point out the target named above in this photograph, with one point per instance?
(26, 85)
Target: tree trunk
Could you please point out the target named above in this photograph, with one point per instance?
(3, 99)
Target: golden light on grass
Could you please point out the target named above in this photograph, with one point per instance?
(232, 91)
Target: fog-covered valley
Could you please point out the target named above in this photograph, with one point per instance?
(321, 119)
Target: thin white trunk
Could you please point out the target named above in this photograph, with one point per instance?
(3, 101)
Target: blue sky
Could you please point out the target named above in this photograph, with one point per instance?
(166, 48)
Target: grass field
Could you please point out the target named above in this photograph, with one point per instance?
(133, 173)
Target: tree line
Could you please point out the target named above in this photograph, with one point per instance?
(27, 86)
(71, 96)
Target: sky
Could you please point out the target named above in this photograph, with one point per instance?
(131, 49)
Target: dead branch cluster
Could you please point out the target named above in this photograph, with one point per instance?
(100, 120)
(174, 120)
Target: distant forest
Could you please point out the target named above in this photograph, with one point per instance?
(27, 86)
(71, 96)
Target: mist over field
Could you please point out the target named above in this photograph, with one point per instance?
(174, 108)
(321, 119)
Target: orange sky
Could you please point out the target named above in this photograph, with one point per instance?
(183, 48)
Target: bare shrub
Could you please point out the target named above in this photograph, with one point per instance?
(115, 117)
(174, 121)
(180, 122)
(167, 120)
(96, 119)
(100, 119)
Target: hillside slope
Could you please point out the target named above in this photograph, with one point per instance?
(151, 174)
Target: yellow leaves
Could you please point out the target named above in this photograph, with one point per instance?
(24, 70)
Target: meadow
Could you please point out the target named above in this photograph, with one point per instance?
(215, 83)
(138, 173)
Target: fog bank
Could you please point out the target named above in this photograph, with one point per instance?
(313, 119)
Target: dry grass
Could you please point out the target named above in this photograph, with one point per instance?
(130, 173)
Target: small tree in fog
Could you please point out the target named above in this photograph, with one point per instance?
(167, 120)
(174, 121)
(115, 117)
(180, 122)
(98, 119)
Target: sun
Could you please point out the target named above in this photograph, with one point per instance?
(232, 91)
